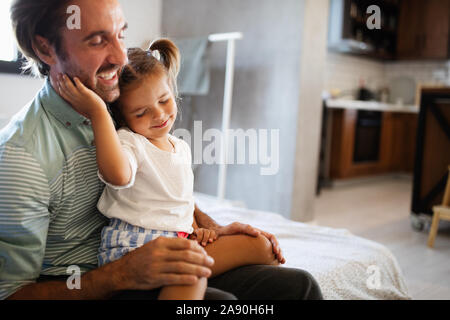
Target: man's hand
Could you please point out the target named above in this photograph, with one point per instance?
(163, 262)
(82, 99)
(237, 228)
(275, 246)
(240, 228)
(205, 221)
(204, 236)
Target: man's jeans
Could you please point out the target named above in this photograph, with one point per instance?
(255, 282)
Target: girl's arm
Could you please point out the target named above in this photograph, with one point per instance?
(112, 163)
(202, 235)
(194, 224)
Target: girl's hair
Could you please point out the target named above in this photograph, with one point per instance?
(162, 56)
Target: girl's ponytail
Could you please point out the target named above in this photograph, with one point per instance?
(169, 56)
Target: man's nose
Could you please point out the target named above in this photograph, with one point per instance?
(118, 53)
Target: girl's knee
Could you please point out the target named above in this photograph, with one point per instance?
(263, 249)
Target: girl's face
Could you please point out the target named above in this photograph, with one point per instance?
(150, 109)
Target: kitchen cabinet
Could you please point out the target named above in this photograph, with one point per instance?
(410, 29)
(396, 145)
(423, 31)
(349, 30)
(403, 127)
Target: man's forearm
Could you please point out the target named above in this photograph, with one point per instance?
(97, 284)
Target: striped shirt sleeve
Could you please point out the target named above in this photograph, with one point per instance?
(24, 218)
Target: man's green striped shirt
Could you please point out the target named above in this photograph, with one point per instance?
(48, 193)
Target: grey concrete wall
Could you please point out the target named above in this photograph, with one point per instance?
(313, 62)
(266, 87)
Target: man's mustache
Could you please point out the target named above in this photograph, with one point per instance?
(109, 68)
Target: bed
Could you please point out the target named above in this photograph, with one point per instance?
(346, 266)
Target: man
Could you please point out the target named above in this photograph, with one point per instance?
(49, 186)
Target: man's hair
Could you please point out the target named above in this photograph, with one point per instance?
(38, 17)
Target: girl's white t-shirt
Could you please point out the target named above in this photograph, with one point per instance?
(160, 193)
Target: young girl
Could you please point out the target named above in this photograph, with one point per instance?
(147, 171)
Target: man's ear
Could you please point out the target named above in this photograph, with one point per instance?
(44, 50)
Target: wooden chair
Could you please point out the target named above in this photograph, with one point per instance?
(440, 212)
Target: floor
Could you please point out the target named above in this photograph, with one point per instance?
(379, 209)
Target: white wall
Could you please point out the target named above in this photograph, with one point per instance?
(143, 17)
(309, 118)
(420, 71)
(144, 20)
(343, 71)
(16, 91)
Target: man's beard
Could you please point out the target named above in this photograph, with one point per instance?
(108, 94)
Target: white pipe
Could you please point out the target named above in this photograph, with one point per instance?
(225, 36)
(226, 113)
(230, 37)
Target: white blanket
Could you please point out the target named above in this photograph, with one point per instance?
(344, 265)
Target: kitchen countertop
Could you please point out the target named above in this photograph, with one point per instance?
(370, 106)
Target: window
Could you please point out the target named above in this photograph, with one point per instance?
(10, 61)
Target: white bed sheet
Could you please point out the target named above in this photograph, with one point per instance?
(346, 266)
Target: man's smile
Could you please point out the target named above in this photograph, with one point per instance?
(109, 78)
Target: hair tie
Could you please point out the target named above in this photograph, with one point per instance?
(155, 54)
